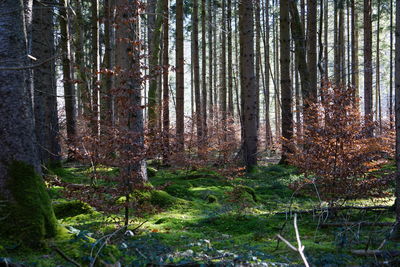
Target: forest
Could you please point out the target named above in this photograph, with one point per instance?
(199, 133)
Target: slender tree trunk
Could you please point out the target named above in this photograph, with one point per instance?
(378, 74)
(368, 63)
(210, 60)
(230, 68)
(165, 101)
(154, 36)
(105, 94)
(397, 110)
(180, 77)
(258, 57)
(45, 87)
(204, 66)
(248, 84)
(196, 72)
(267, 67)
(95, 66)
(223, 91)
(312, 49)
(326, 58)
(287, 118)
(354, 48)
(69, 92)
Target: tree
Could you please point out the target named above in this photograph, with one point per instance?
(180, 82)
(312, 48)
(248, 83)
(354, 47)
(165, 81)
(397, 110)
(286, 96)
(30, 216)
(69, 92)
(368, 62)
(196, 71)
(45, 87)
(203, 67)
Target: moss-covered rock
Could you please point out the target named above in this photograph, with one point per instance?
(151, 171)
(30, 217)
(71, 209)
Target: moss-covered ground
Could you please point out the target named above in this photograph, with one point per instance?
(206, 218)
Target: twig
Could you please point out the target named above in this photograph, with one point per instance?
(301, 247)
(65, 257)
(287, 242)
(29, 66)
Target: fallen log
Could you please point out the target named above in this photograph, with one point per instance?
(376, 253)
(379, 207)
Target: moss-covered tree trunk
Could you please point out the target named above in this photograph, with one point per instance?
(26, 207)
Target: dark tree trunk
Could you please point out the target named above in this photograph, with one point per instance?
(180, 82)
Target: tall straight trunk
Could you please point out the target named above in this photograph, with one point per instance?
(286, 95)
(258, 57)
(83, 87)
(312, 49)
(230, 68)
(204, 66)
(69, 92)
(45, 87)
(154, 36)
(336, 45)
(211, 27)
(341, 44)
(223, 91)
(95, 66)
(165, 61)
(397, 110)
(391, 68)
(196, 71)
(248, 84)
(378, 75)
(326, 58)
(105, 94)
(216, 59)
(267, 67)
(368, 63)
(180, 77)
(354, 48)
(277, 76)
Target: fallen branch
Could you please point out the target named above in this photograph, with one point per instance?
(333, 209)
(339, 224)
(65, 257)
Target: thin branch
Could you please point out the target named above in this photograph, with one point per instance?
(4, 68)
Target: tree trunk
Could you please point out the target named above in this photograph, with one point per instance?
(391, 68)
(248, 83)
(69, 92)
(30, 218)
(210, 59)
(196, 72)
(267, 67)
(312, 50)
(230, 68)
(258, 57)
(368, 64)
(180, 82)
(95, 67)
(165, 81)
(354, 48)
(287, 118)
(397, 110)
(223, 91)
(45, 87)
(204, 67)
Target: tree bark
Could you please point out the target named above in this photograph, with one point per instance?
(45, 88)
(165, 81)
(180, 82)
(368, 65)
(196, 72)
(248, 83)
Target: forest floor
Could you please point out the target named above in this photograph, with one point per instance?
(205, 218)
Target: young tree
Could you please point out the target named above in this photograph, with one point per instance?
(165, 80)
(30, 216)
(248, 83)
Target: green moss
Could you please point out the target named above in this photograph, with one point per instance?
(162, 199)
(245, 189)
(179, 190)
(71, 209)
(31, 218)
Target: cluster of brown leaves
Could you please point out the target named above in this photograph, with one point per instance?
(335, 152)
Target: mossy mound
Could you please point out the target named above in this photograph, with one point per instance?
(212, 199)
(245, 191)
(179, 190)
(71, 209)
(162, 199)
(30, 217)
(151, 171)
